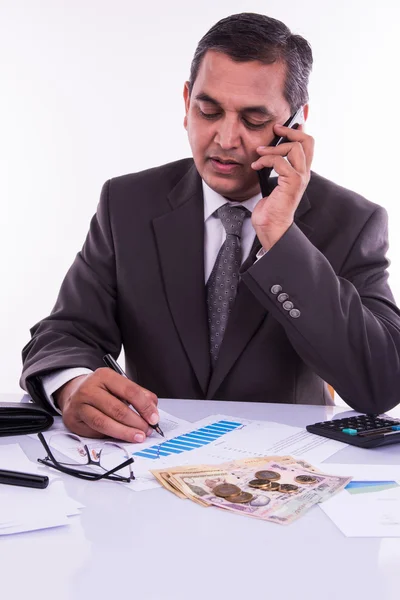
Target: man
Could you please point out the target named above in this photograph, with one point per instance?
(208, 302)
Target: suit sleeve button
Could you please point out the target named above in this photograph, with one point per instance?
(288, 305)
(282, 297)
(295, 313)
(276, 289)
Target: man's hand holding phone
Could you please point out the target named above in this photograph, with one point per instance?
(274, 214)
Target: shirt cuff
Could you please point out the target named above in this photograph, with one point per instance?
(260, 254)
(56, 379)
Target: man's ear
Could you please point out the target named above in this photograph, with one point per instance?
(186, 98)
(305, 111)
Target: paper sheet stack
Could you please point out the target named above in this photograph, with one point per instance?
(27, 509)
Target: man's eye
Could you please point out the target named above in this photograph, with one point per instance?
(208, 115)
(254, 125)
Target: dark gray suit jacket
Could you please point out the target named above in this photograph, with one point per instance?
(139, 281)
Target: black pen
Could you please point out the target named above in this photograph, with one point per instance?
(23, 479)
(112, 364)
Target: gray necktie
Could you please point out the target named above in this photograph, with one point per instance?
(224, 278)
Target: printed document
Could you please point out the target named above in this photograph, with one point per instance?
(369, 506)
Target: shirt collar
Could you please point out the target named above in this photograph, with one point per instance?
(213, 201)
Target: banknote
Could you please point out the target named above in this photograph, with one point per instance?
(297, 486)
(163, 476)
(283, 460)
(167, 480)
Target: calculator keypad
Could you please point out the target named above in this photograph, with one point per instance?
(361, 423)
(367, 431)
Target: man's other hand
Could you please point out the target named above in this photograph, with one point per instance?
(92, 406)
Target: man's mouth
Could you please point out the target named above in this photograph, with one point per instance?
(224, 166)
(224, 161)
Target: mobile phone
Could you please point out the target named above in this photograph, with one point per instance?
(264, 174)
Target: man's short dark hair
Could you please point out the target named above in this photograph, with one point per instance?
(250, 36)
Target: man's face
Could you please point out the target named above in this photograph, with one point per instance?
(231, 111)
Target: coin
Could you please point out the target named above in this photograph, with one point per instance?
(268, 475)
(274, 487)
(241, 498)
(226, 489)
(305, 479)
(288, 488)
(260, 484)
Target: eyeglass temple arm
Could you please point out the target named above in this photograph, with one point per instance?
(121, 466)
(46, 447)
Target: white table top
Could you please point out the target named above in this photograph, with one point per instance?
(153, 546)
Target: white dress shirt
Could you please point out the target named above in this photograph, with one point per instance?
(214, 236)
(214, 231)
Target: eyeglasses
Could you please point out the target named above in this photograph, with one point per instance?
(110, 457)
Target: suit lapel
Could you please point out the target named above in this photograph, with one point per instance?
(303, 207)
(252, 256)
(180, 242)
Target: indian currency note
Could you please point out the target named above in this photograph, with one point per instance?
(164, 476)
(275, 506)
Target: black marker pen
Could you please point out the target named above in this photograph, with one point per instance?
(23, 479)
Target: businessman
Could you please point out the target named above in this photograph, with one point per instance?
(214, 291)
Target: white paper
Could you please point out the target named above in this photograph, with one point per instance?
(267, 438)
(362, 472)
(365, 511)
(27, 509)
(373, 514)
(32, 522)
(169, 423)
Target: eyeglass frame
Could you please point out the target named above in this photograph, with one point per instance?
(51, 462)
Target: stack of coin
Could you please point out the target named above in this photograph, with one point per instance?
(268, 475)
(288, 488)
(264, 480)
(259, 484)
(306, 479)
(268, 481)
(268, 486)
(232, 493)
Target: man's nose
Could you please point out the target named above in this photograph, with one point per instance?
(228, 135)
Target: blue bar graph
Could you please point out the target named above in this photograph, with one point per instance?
(189, 441)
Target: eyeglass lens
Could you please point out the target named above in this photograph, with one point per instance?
(69, 450)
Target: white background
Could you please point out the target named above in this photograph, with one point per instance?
(92, 89)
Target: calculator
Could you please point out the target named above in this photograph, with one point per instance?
(365, 431)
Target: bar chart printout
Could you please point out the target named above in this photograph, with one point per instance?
(189, 441)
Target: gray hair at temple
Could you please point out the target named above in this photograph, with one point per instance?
(250, 36)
